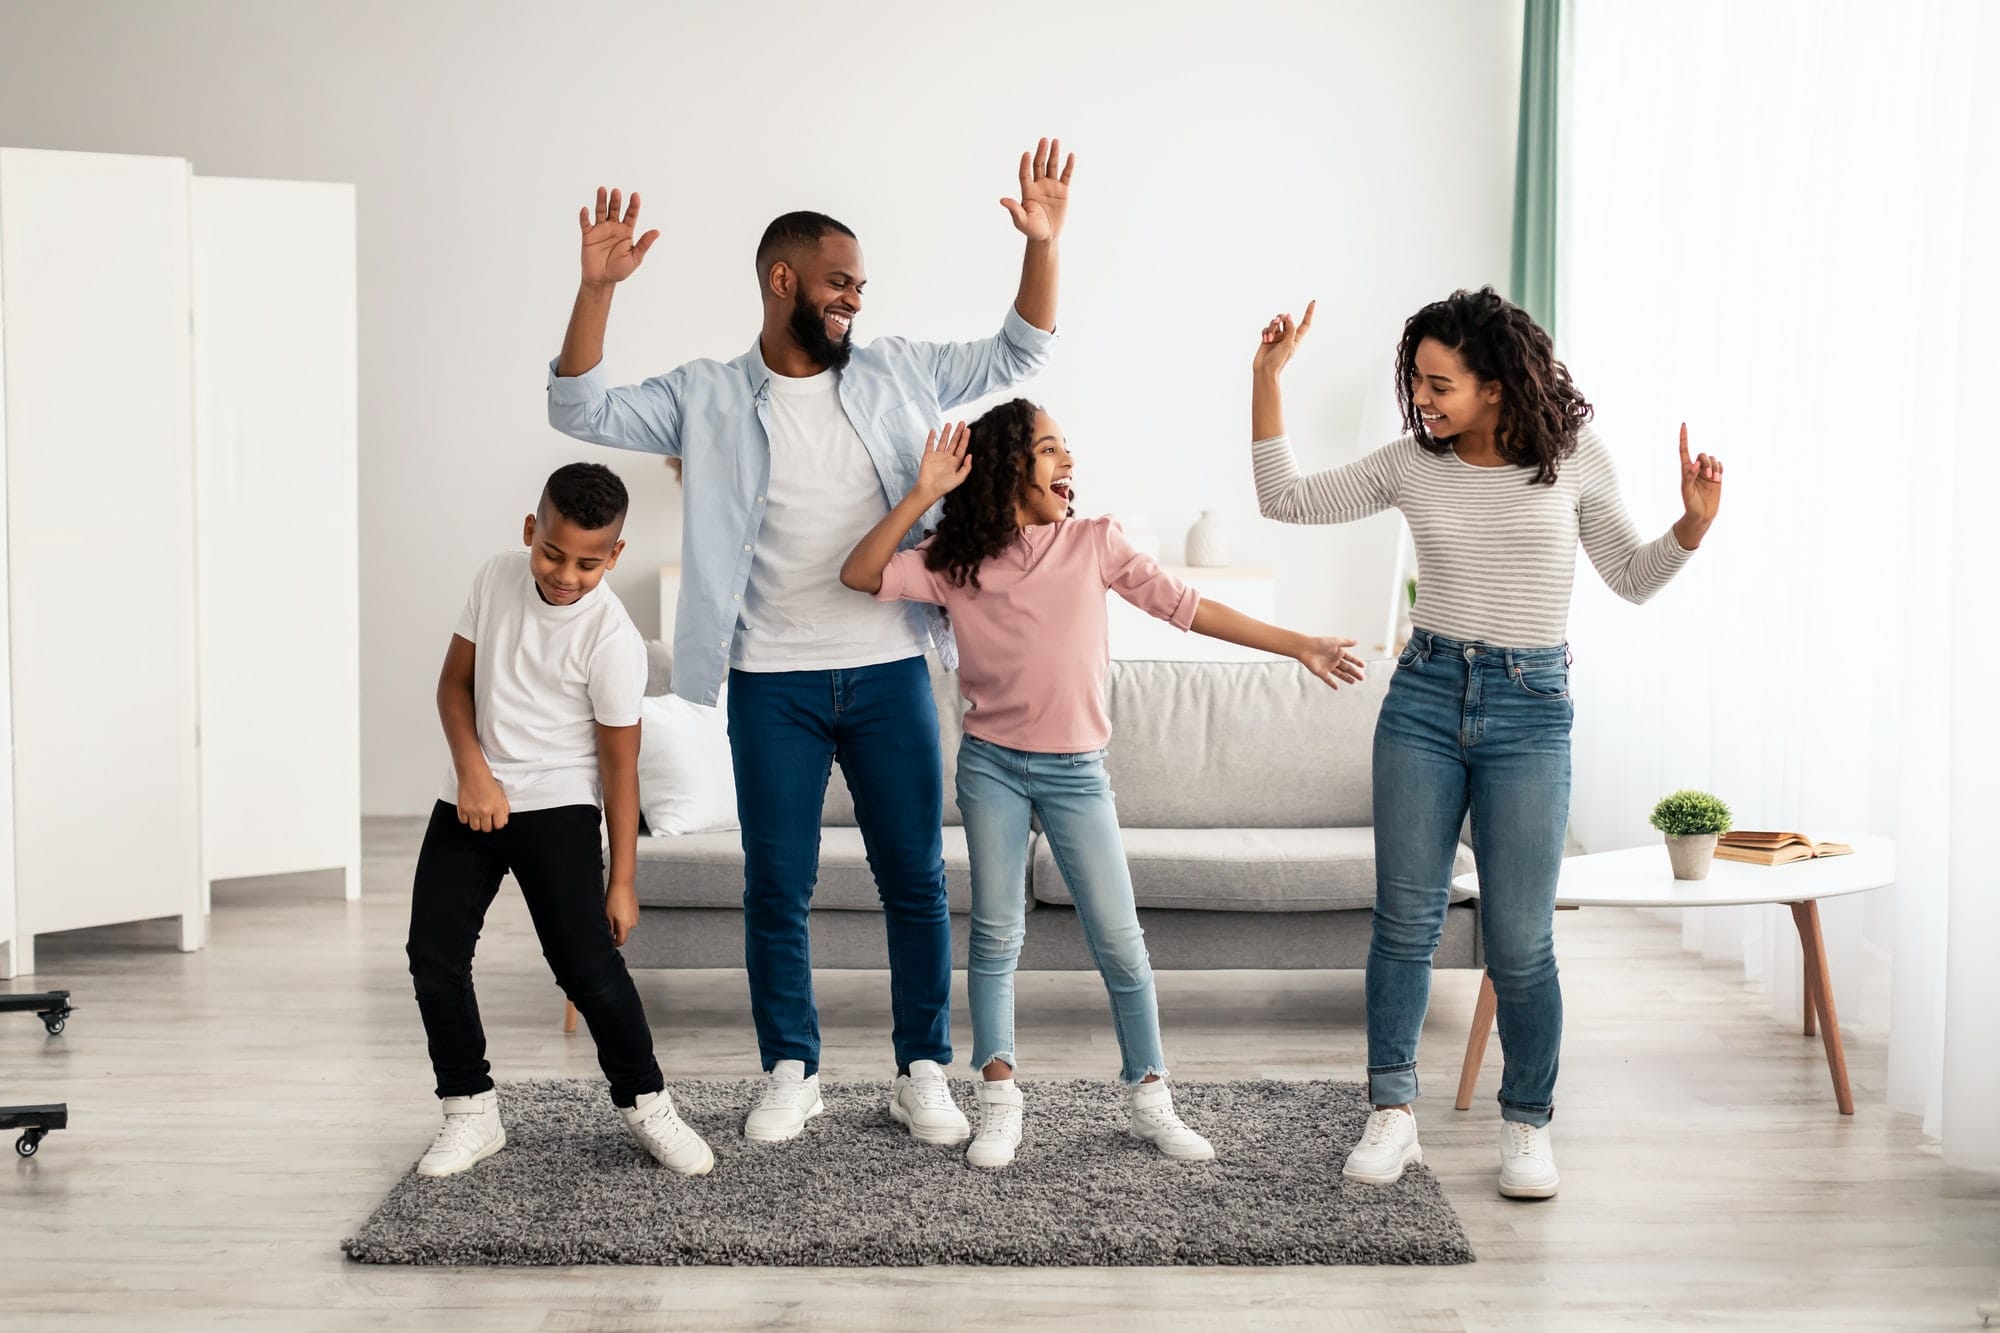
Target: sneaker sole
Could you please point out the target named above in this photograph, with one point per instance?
(1171, 1155)
(1006, 1161)
(1547, 1191)
(499, 1142)
(946, 1138)
(1414, 1156)
(816, 1108)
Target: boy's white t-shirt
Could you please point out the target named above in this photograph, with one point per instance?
(543, 677)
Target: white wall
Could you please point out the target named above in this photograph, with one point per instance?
(1234, 160)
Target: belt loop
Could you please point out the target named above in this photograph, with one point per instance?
(1569, 657)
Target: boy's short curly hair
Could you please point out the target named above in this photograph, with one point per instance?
(589, 495)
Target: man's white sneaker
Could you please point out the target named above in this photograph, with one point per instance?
(1388, 1144)
(1527, 1161)
(999, 1124)
(788, 1101)
(671, 1140)
(471, 1133)
(1150, 1111)
(922, 1100)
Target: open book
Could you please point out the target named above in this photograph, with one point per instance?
(1774, 849)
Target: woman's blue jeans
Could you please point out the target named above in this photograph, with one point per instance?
(1485, 728)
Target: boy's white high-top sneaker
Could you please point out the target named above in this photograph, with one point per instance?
(471, 1133)
(789, 1100)
(1388, 1144)
(671, 1140)
(1151, 1110)
(999, 1124)
(1527, 1162)
(922, 1100)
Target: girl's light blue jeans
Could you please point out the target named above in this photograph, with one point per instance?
(998, 788)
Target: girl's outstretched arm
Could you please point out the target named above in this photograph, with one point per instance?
(1326, 658)
(945, 465)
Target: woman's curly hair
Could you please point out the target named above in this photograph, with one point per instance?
(979, 519)
(1540, 410)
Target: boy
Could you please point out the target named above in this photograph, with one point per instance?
(540, 702)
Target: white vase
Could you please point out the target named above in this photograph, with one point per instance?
(1207, 543)
(1692, 854)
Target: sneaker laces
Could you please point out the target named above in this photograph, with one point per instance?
(933, 1093)
(456, 1134)
(1381, 1124)
(781, 1092)
(1523, 1139)
(996, 1118)
(1164, 1117)
(663, 1122)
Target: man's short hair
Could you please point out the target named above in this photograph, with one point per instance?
(589, 495)
(790, 233)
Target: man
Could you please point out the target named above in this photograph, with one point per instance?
(789, 453)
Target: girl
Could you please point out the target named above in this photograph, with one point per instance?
(1500, 477)
(1024, 584)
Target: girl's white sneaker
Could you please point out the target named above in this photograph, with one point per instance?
(999, 1124)
(1150, 1111)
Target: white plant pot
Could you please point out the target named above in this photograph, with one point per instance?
(1692, 854)
(1207, 543)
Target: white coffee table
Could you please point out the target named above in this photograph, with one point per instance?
(1641, 877)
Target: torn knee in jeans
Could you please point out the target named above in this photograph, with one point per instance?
(986, 945)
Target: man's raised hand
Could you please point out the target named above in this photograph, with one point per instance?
(609, 256)
(1038, 213)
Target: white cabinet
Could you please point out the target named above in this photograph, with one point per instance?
(94, 314)
(121, 650)
(275, 403)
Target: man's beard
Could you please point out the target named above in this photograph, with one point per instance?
(809, 330)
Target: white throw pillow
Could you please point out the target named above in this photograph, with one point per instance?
(686, 783)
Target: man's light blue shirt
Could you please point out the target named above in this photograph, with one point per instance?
(713, 416)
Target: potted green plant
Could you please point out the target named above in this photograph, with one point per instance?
(1692, 821)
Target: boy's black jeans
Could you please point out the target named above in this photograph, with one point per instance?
(555, 858)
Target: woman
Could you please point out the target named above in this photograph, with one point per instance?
(1500, 477)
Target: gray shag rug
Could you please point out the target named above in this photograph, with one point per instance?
(855, 1190)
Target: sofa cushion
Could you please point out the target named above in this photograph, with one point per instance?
(839, 809)
(1241, 745)
(1241, 869)
(706, 870)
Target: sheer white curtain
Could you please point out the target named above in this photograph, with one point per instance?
(1779, 226)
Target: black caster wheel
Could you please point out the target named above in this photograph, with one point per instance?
(30, 1140)
(55, 1025)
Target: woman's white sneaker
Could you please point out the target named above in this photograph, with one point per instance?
(1388, 1144)
(1527, 1161)
(671, 1140)
(922, 1100)
(1149, 1109)
(999, 1124)
(789, 1100)
(471, 1133)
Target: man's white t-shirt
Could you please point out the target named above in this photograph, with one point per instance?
(543, 677)
(824, 496)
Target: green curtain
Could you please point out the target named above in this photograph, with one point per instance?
(1533, 279)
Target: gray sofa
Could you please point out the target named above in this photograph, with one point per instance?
(1244, 794)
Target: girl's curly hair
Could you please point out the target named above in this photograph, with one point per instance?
(1540, 410)
(979, 519)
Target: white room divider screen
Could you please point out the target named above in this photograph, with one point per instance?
(94, 308)
(274, 352)
(177, 414)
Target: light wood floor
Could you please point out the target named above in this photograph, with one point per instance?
(238, 1111)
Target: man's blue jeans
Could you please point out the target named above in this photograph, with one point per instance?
(786, 729)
